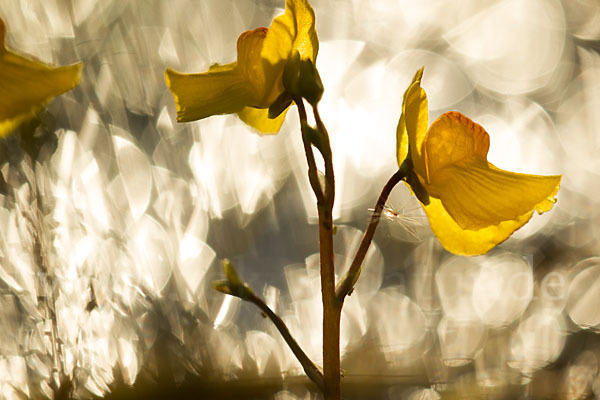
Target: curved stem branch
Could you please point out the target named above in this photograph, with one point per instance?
(310, 368)
(346, 284)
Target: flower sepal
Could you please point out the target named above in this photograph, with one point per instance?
(301, 79)
(280, 105)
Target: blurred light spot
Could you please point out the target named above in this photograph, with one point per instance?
(460, 340)
(9, 315)
(228, 307)
(424, 394)
(149, 328)
(583, 18)
(578, 121)
(128, 361)
(226, 352)
(445, 81)
(305, 313)
(354, 323)
(136, 173)
(425, 260)
(152, 252)
(195, 257)
(263, 349)
(532, 32)
(581, 375)
(522, 137)
(583, 304)
(455, 280)
(503, 289)
(399, 324)
(346, 242)
(233, 167)
(538, 340)
(166, 51)
(336, 61)
(13, 375)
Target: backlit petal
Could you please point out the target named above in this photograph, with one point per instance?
(401, 134)
(416, 118)
(468, 242)
(476, 194)
(27, 85)
(293, 30)
(258, 118)
(266, 86)
(221, 90)
(451, 139)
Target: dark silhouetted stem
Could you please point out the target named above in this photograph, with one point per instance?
(346, 284)
(332, 307)
(311, 370)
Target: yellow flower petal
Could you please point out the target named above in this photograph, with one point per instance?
(27, 85)
(254, 81)
(476, 194)
(453, 138)
(416, 118)
(468, 242)
(293, 30)
(401, 134)
(266, 86)
(221, 90)
(258, 118)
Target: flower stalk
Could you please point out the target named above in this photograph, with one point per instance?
(346, 285)
(332, 307)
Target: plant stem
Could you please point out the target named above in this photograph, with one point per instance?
(313, 176)
(346, 284)
(332, 307)
(310, 368)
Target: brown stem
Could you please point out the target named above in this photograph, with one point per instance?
(310, 368)
(326, 152)
(332, 307)
(313, 176)
(346, 284)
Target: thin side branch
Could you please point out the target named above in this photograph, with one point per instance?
(310, 368)
(346, 284)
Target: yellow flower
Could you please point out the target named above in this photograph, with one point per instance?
(26, 85)
(250, 85)
(473, 205)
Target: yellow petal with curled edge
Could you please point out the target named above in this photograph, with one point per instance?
(468, 242)
(294, 30)
(415, 112)
(401, 135)
(474, 192)
(452, 138)
(221, 90)
(27, 85)
(258, 118)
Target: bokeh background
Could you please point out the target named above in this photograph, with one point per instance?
(114, 227)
